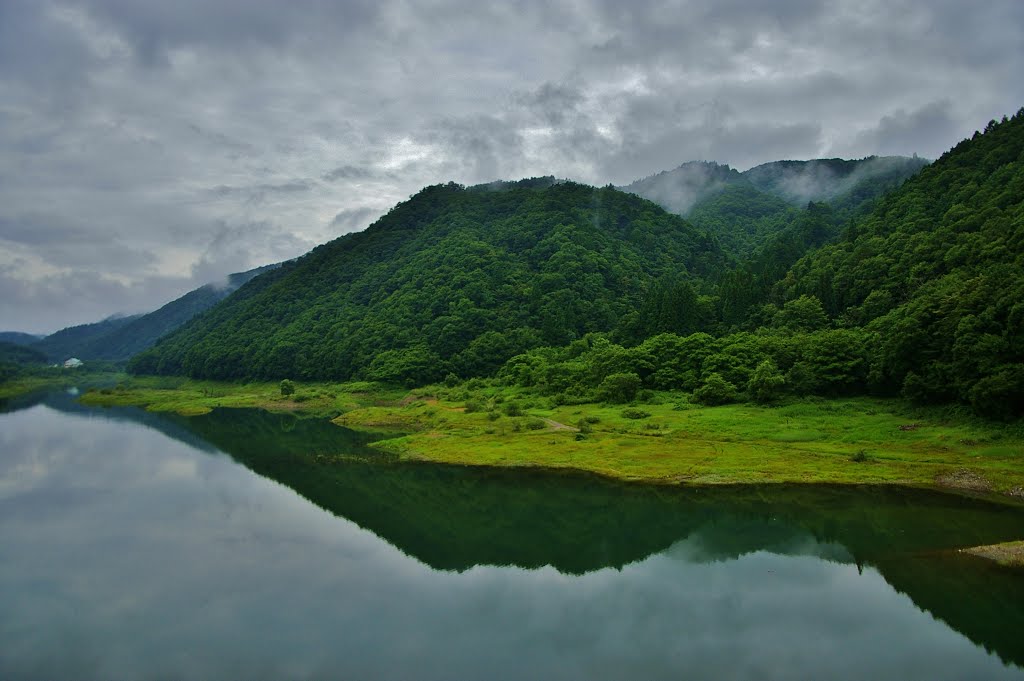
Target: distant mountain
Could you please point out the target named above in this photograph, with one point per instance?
(12, 353)
(79, 341)
(747, 210)
(679, 190)
(118, 338)
(454, 279)
(826, 179)
(19, 338)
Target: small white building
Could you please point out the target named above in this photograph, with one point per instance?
(72, 363)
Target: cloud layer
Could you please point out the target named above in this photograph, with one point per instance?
(146, 148)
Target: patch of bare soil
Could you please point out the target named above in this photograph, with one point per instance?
(1010, 554)
(964, 479)
(555, 425)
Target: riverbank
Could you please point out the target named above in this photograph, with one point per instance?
(664, 439)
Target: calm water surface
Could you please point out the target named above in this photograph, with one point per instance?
(246, 545)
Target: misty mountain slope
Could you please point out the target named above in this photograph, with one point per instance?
(742, 217)
(680, 189)
(826, 179)
(937, 271)
(19, 338)
(747, 211)
(80, 341)
(119, 339)
(453, 278)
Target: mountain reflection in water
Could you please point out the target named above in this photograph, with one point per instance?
(792, 563)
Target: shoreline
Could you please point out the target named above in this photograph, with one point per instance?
(850, 441)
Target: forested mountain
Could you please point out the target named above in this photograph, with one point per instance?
(746, 211)
(78, 341)
(826, 179)
(937, 272)
(452, 279)
(679, 190)
(595, 294)
(922, 297)
(15, 357)
(120, 338)
(18, 338)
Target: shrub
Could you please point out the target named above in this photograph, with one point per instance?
(767, 382)
(619, 388)
(473, 406)
(536, 424)
(592, 419)
(287, 388)
(513, 409)
(716, 390)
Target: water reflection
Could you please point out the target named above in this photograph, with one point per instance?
(130, 551)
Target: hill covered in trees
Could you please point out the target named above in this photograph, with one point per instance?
(454, 279)
(747, 211)
(119, 338)
(921, 297)
(585, 293)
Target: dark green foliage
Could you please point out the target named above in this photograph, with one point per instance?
(767, 383)
(716, 390)
(534, 423)
(287, 388)
(14, 353)
(567, 289)
(803, 314)
(18, 338)
(451, 280)
(619, 388)
(936, 272)
(80, 341)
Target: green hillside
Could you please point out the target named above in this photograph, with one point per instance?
(922, 297)
(453, 279)
(80, 341)
(937, 271)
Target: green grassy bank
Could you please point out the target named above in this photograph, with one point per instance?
(663, 439)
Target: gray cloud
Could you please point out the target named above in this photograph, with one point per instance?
(150, 130)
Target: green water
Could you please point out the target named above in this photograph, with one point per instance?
(248, 545)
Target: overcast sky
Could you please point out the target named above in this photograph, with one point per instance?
(149, 147)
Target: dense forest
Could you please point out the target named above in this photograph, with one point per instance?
(453, 279)
(591, 293)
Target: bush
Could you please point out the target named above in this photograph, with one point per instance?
(536, 424)
(767, 383)
(619, 388)
(513, 409)
(584, 426)
(715, 391)
(633, 413)
(473, 406)
(592, 419)
(287, 388)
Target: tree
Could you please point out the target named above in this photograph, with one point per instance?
(287, 388)
(767, 382)
(715, 391)
(619, 388)
(803, 314)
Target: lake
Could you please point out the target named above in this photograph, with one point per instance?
(249, 545)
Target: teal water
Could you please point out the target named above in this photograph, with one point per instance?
(248, 545)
